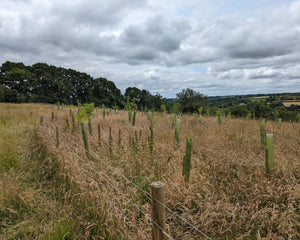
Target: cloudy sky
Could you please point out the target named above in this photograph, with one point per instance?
(216, 47)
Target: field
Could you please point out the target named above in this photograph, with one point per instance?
(261, 97)
(57, 192)
(289, 103)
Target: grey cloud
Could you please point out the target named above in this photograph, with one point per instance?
(62, 35)
(141, 53)
(196, 55)
(157, 33)
(240, 52)
(11, 44)
(96, 12)
(256, 52)
(233, 37)
(263, 43)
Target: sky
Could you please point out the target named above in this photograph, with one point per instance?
(216, 47)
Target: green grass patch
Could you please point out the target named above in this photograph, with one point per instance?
(62, 230)
(10, 132)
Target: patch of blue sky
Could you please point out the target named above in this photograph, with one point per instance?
(185, 11)
(201, 69)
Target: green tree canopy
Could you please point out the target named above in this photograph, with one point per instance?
(105, 92)
(190, 100)
(49, 84)
(144, 99)
(239, 111)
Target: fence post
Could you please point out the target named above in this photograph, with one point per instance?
(158, 211)
(99, 135)
(263, 134)
(52, 116)
(57, 137)
(41, 120)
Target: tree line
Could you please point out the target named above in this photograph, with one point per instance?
(43, 83)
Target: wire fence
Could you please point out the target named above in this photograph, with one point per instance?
(113, 181)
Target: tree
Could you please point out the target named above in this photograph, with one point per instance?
(262, 111)
(239, 111)
(138, 95)
(144, 99)
(11, 95)
(190, 100)
(2, 91)
(21, 80)
(105, 92)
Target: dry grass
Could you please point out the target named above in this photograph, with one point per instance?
(33, 186)
(229, 195)
(289, 103)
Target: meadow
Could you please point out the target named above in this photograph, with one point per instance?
(54, 190)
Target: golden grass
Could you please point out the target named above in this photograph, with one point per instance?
(262, 97)
(229, 195)
(28, 205)
(289, 103)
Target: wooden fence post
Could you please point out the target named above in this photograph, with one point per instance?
(99, 135)
(52, 116)
(57, 137)
(41, 120)
(73, 121)
(158, 211)
(263, 134)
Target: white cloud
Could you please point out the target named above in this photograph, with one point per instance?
(264, 72)
(245, 46)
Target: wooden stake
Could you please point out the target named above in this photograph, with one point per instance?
(41, 120)
(263, 134)
(99, 135)
(73, 121)
(57, 137)
(158, 211)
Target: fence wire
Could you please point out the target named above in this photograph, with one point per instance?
(121, 193)
(130, 182)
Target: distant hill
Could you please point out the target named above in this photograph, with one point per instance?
(228, 101)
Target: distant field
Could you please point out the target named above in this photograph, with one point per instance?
(288, 103)
(261, 97)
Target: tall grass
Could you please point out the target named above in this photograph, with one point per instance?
(228, 196)
(37, 199)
